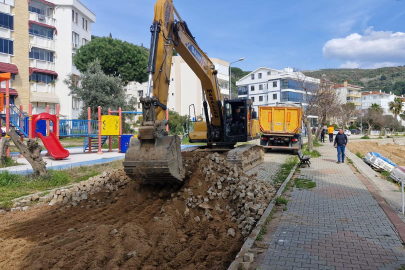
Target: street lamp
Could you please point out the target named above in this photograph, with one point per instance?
(230, 79)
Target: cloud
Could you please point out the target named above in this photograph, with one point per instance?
(373, 48)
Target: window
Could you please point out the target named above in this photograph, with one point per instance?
(73, 16)
(260, 98)
(41, 54)
(268, 72)
(75, 103)
(75, 39)
(85, 24)
(253, 76)
(274, 96)
(242, 90)
(84, 41)
(140, 93)
(6, 21)
(41, 31)
(275, 84)
(77, 18)
(36, 10)
(259, 75)
(253, 99)
(260, 86)
(75, 79)
(252, 88)
(42, 77)
(292, 96)
(6, 46)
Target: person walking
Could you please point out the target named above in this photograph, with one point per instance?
(340, 143)
(330, 132)
(323, 135)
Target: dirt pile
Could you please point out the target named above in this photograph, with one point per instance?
(198, 226)
(394, 152)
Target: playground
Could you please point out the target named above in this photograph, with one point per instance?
(50, 129)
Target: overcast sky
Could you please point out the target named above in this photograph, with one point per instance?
(302, 34)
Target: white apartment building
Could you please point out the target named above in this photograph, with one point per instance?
(73, 22)
(37, 41)
(383, 100)
(349, 93)
(185, 87)
(267, 86)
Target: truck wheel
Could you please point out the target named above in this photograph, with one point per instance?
(295, 152)
(266, 150)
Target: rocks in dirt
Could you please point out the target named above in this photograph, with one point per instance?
(197, 219)
(113, 232)
(231, 232)
(131, 254)
(248, 257)
(71, 230)
(245, 265)
(110, 181)
(25, 208)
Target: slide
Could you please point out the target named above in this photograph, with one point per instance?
(52, 144)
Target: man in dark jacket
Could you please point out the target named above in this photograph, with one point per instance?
(323, 135)
(340, 143)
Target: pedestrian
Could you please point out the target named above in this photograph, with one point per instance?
(323, 135)
(340, 143)
(330, 132)
(254, 114)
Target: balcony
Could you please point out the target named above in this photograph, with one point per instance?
(354, 95)
(42, 42)
(42, 64)
(5, 33)
(42, 87)
(42, 19)
(5, 6)
(5, 58)
(224, 91)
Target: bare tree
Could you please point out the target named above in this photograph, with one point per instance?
(348, 111)
(321, 101)
(373, 117)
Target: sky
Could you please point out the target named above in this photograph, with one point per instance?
(303, 34)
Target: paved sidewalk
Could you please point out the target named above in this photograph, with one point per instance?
(336, 225)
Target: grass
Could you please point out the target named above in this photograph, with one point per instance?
(9, 162)
(380, 137)
(114, 143)
(285, 208)
(313, 154)
(13, 186)
(365, 137)
(304, 183)
(359, 155)
(185, 141)
(261, 233)
(281, 200)
(285, 170)
(316, 143)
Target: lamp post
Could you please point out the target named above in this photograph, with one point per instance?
(230, 78)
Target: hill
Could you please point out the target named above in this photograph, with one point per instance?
(388, 79)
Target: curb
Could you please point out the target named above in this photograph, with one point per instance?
(250, 240)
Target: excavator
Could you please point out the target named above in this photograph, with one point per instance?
(154, 156)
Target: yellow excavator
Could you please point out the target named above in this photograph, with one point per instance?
(154, 156)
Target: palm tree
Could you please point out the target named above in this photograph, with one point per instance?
(396, 107)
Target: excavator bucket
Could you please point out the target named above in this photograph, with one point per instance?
(155, 161)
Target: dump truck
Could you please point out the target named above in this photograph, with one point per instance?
(281, 127)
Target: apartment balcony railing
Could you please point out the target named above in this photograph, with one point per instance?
(224, 91)
(5, 58)
(42, 19)
(355, 95)
(42, 64)
(42, 42)
(242, 92)
(42, 87)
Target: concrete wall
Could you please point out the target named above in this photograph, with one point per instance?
(21, 52)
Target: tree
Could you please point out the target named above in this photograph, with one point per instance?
(117, 58)
(348, 111)
(396, 107)
(399, 88)
(177, 123)
(236, 74)
(383, 77)
(98, 89)
(373, 117)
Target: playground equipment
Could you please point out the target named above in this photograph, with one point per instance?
(95, 132)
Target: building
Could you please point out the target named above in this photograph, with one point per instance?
(37, 41)
(349, 93)
(185, 87)
(378, 97)
(267, 86)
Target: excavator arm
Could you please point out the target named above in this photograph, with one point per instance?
(154, 155)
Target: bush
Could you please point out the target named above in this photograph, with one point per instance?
(359, 155)
(281, 200)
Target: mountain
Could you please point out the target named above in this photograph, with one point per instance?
(388, 79)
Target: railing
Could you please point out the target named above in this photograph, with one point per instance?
(18, 119)
(77, 128)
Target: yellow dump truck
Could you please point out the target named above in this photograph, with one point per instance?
(281, 127)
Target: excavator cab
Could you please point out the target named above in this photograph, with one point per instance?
(237, 115)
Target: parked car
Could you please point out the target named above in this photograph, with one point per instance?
(355, 131)
(346, 131)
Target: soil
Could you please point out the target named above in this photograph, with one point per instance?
(137, 227)
(394, 152)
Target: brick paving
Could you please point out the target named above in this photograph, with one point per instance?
(271, 165)
(336, 225)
